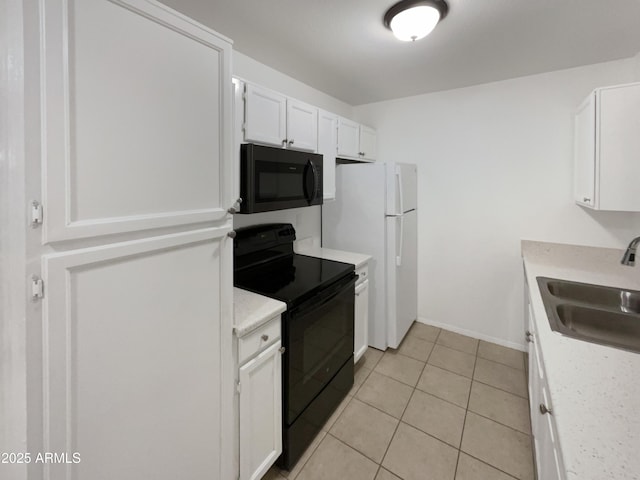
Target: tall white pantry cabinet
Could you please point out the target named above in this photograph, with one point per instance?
(129, 338)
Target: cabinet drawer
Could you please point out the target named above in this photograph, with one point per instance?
(256, 341)
(363, 274)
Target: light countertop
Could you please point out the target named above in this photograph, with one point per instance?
(251, 310)
(357, 259)
(595, 389)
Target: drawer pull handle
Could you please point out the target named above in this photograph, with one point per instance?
(264, 337)
(544, 409)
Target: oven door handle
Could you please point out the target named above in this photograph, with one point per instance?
(326, 295)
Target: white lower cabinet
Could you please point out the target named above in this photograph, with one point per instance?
(260, 400)
(361, 315)
(545, 439)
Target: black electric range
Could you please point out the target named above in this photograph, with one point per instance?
(317, 328)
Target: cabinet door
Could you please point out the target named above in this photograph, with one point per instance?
(302, 126)
(547, 455)
(368, 143)
(327, 147)
(260, 413)
(348, 138)
(132, 140)
(264, 116)
(618, 155)
(133, 369)
(585, 153)
(547, 449)
(361, 321)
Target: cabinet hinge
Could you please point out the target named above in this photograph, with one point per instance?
(238, 387)
(37, 288)
(36, 214)
(244, 127)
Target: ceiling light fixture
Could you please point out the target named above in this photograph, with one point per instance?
(411, 20)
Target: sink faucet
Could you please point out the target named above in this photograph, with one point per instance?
(629, 257)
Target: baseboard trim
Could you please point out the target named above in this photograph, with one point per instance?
(473, 334)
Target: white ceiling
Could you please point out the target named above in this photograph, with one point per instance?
(342, 48)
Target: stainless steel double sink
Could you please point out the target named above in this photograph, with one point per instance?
(593, 313)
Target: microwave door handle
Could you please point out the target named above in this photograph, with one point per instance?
(311, 193)
(316, 180)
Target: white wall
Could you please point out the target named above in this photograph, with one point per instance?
(306, 221)
(495, 167)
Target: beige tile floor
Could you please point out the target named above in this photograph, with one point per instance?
(441, 407)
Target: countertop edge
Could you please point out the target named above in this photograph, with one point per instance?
(252, 310)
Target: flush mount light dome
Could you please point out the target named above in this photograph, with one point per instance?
(410, 20)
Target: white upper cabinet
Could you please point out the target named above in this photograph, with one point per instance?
(607, 149)
(584, 153)
(302, 126)
(327, 147)
(348, 138)
(265, 116)
(131, 141)
(273, 119)
(356, 141)
(368, 143)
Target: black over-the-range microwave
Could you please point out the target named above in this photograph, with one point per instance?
(276, 178)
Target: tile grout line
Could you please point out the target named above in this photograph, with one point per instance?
(358, 451)
(407, 405)
(501, 389)
(499, 423)
(500, 363)
(466, 411)
(386, 451)
(488, 464)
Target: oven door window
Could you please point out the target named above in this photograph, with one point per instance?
(320, 341)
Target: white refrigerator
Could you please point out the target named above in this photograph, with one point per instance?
(375, 213)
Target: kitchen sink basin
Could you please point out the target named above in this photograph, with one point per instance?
(593, 313)
(624, 300)
(608, 327)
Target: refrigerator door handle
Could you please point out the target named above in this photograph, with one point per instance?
(401, 194)
(399, 256)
